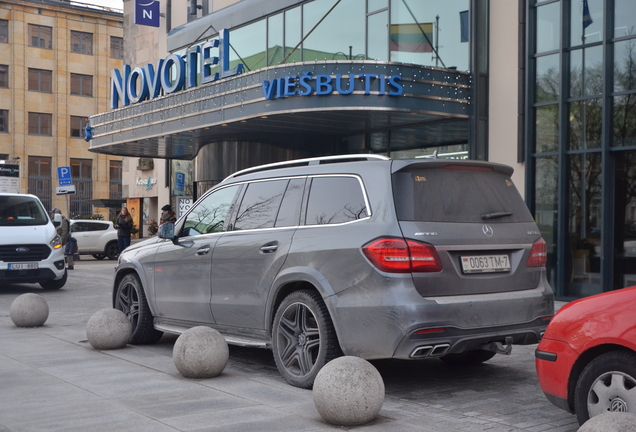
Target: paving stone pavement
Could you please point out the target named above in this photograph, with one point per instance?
(51, 379)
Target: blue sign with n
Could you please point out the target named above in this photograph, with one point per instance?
(147, 12)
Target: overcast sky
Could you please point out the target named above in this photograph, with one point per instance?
(117, 4)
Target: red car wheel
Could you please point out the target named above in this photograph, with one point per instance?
(608, 383)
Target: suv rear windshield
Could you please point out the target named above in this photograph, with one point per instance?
(458, 194)
(21, 211)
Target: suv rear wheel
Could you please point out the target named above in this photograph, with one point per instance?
(112, 250)
(303, 338)
(131, 300)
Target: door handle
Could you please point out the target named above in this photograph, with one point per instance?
(204, 250)
(269, 248)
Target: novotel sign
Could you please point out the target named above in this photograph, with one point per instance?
(177, 72)
(139, 84)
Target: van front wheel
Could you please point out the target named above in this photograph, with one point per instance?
(55, 284)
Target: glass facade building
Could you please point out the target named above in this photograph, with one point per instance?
(581, 129)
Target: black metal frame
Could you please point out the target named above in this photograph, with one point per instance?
(564, 154)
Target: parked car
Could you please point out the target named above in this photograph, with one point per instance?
(95, 237)
(357, 255)
(586, 361)
(30, 249)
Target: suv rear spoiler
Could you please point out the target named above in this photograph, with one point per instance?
(410, 164)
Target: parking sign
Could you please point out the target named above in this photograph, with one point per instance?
(64, 176)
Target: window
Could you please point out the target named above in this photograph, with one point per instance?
(88, 226)
(77, 126)
(209, 215)
(40, 80)
(40, 36)
(260, 204)
(40, 179)
(4, 76)
(4, 31)
(115, 189)
(335, 200)
(81, 42)
(289, 212)
(4, 120)
(81, 85)
(40, 124)
(82, 175)
(116, 47)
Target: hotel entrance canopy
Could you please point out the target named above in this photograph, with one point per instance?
(271, 105)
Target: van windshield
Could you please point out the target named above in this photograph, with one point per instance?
(454, 194)
(21, 211)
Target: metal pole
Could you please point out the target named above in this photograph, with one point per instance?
(437, 40)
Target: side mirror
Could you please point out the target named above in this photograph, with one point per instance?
(166, 231)
(57, 220)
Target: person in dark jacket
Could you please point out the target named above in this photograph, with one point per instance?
(124, 224)
(167, 215)
(69, 251)
(64, 231)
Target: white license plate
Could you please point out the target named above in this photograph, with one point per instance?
(485, 263)
(23, 266)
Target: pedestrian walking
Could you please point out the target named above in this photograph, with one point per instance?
(64, 231)
(69, 252)
(124, 225)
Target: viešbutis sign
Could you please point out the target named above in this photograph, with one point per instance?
(148, 82)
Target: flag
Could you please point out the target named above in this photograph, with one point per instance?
(464, 26)
(587, 18)
(411, 38)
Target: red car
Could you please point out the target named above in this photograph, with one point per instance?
(586, 361)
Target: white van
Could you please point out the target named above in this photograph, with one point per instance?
(30, 249)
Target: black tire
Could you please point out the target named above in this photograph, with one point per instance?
(112, 250)
(303, 338)
(468, 358)
(130, 298)
(55, 284)
(99, 256)
(606, 384)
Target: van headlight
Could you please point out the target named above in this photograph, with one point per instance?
(56, 243)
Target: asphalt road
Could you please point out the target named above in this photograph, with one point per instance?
(427, 395)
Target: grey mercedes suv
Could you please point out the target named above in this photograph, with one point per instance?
(357, 255)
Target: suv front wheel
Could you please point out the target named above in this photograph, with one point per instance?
(303, 338)
(130, 298)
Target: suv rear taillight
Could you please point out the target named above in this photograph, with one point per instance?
(538, 254)
(396, 255)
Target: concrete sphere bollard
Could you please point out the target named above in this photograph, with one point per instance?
(29, 310)
(108, 329)
(610, 422)
(348, 391)
(200, 352)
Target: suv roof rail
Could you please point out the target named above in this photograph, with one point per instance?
(309, 161)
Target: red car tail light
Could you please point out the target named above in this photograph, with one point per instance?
(395, 255)
(538, 254)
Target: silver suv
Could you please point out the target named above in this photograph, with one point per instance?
(357, 255)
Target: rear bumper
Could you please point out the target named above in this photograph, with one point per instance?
(396, 322)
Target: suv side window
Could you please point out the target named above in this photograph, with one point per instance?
(94, 226)
(289, 212)
(208, 215)
(79, 227)
(335, 200)
(260, 204)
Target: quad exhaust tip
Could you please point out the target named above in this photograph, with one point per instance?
(430, 351)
